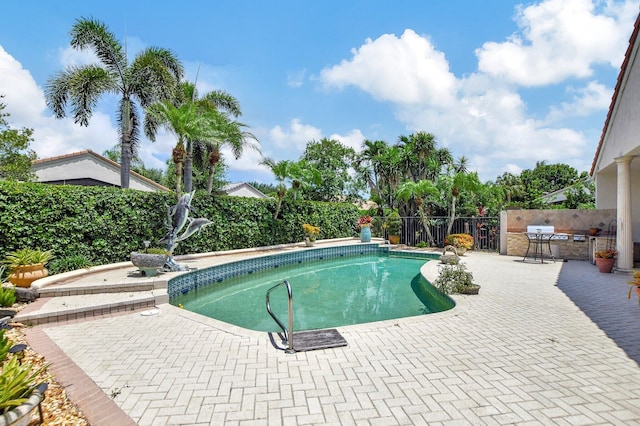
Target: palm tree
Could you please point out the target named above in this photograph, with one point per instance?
(216, 105)
(187, 122)
(418, 191)
(152, 76)
(282, 171)
(456, 182)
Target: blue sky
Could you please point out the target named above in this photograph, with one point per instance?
(504, 83)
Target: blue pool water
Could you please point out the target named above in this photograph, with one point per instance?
(326, 293)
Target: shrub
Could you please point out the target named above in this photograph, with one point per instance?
(459, 241)
(454, 279)
(106, 224)
(7, 296)
(69, 263)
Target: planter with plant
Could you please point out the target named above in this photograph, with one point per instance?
(150, 259)
(20, 393)
(455, 279)
(635, 285)
(461, 242)
(394, 226)
(310, 234)
(605, 260)
(27, 265)
(365, 228)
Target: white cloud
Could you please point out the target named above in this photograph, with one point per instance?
(26, 103)
(482, 115)
(352, 139)
(22, 96)
(296, 79)
(295, 138)
(586, 100)
(401, 70)
(560, 39)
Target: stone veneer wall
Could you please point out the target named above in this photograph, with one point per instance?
(572, 222)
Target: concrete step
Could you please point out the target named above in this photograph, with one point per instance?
(92, 288)
(84, 306)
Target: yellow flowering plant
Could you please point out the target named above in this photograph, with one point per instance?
(310, 231)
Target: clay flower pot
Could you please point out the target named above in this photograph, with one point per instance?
(605, 265)
(23, 276)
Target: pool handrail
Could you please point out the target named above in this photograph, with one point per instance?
(288, 333)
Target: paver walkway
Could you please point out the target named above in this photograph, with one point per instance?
(542, 344)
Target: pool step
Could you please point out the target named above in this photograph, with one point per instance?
(62, 308)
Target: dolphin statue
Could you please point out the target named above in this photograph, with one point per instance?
(195, 225)
(181, 212)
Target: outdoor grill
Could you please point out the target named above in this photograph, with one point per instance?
(540, 236)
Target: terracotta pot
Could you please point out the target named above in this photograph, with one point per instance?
(23, 276)
(605, 265)
(394, 239)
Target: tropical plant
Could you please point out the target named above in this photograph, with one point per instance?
(27, 256)
(152, 76)
(69, 263)
(187, 123)
(635, 285)
(17, 383)
(7, 296)
(606, 254)
(215, 112)
(420, 193)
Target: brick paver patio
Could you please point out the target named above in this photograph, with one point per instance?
(542, 344)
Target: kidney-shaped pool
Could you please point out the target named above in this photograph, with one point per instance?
(326, 293)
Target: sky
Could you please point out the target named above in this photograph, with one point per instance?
(504, 83)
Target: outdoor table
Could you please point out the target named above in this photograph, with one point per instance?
(539, 240)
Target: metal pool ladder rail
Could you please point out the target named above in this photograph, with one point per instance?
(288, 332)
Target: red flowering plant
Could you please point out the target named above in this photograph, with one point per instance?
(365, 221)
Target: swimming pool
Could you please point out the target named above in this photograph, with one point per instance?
(341, 290)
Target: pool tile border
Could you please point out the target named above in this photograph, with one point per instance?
(200, 278)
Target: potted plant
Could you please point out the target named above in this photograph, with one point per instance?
(461, 242)
(27, 265)
(393, 226)
(20, 392)
(310, 234)
(605, 259)
(150, 259)
(635, 285)
(365, 228)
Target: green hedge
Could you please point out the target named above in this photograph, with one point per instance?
(105, 224)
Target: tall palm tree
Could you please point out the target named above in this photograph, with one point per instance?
(152, 76)
(218, 106)
(187, 122)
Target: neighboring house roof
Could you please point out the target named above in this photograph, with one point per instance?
(559, 196)
(89, 169)
(242, 189)
(625, 70)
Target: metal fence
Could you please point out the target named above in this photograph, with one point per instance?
(484, 230)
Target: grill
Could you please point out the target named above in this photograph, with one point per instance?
(540, 236)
